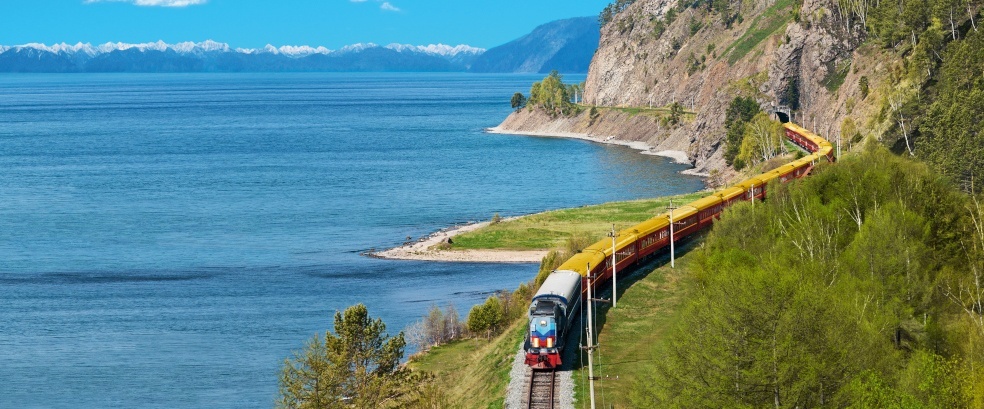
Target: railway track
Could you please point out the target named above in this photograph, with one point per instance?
(541, 392)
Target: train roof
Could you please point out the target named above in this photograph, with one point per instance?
(823, 146)
(578, 263)
(624, 237)
(803, 161)
(785, 169)
(560, 284)
(768, 176)
(684, 212)
(748, 183)
(706, 202)
(652, 225)
(731, 192)
(824, 150)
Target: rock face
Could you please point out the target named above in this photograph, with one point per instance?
(605, 127)
(772, 54)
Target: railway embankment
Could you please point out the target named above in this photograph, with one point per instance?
(491, 373)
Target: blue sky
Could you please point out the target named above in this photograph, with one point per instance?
(255, 23)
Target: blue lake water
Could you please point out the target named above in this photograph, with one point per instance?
(167, 240)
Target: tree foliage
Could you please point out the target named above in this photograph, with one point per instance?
(952, 134)
(518, 101)
(356, 366)
(740, 111)
(762, 140)
(436, 328)
(486, 318)
(612, 10)
(833, 293)
(553, 96)
(676, 114)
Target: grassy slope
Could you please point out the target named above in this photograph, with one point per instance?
(474, 371)
(648, 303)
(550, 229)
(764, 25)
(478, 370)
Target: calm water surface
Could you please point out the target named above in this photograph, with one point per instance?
(167, 240)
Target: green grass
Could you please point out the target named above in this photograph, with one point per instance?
(632, 333)
(764, 25)
(656, 112)
(548, 230)
(835, 78)
(474, 372)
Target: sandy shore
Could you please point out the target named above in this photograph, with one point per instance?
(423, 250)
(644, 148)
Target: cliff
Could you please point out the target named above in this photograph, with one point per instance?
(656, 53)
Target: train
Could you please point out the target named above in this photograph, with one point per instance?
(557, 301)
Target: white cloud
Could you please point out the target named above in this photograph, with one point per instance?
(384, 5)
(155, 3)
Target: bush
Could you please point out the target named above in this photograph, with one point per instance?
(436, 328)
(486, 319)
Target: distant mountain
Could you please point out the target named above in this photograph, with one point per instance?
(563, 45)
(211, 56)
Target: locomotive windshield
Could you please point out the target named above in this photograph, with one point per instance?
(544, 309)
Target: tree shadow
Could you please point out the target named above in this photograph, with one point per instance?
(575, 357)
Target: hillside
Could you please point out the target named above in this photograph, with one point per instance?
(562, 45)
(865, 72)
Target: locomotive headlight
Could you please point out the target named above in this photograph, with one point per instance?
(543, 323)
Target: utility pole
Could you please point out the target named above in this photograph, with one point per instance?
(672, 248)
(590, 340)
(614, 277)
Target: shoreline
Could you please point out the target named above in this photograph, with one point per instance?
(422, 249)
(679, 157)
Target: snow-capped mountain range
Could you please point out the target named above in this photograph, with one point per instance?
(215, 56)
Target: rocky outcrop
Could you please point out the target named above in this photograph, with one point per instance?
(817, 48)
(700, 63)
(642, 131)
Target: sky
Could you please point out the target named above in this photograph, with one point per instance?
(256, 23)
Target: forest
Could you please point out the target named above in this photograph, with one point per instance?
(859, 286)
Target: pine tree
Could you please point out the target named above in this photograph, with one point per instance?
(357, 366)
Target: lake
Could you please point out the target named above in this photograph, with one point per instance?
(168, 240)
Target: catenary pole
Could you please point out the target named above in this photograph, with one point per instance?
(672, 246)
(590, 340)
(614, 277)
